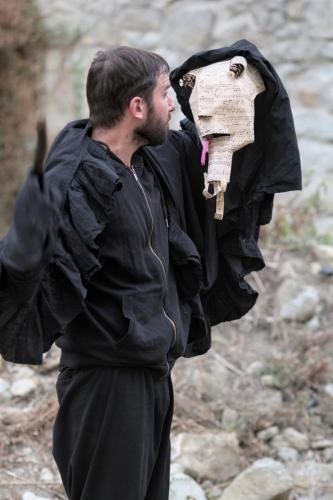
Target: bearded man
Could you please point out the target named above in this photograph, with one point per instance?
(115, 255)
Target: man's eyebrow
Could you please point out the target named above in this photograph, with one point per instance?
(167, 86)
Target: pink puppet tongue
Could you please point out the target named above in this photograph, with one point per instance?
(205, 149)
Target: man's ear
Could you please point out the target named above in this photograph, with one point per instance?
(138, 108)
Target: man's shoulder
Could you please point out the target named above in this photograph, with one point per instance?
(68, 154)
(69, 145)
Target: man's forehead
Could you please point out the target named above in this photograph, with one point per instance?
(163, 80)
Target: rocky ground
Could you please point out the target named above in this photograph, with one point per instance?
(253, 417)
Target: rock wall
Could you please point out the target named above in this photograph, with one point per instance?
(296, 36)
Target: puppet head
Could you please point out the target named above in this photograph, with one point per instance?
(222, 104)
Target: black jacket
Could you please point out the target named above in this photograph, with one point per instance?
(222, 252)
(91, 182)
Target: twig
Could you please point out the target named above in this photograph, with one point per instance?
(43, 485)
(40, 484)
(228, 364)
(49, 367)
(259, 283)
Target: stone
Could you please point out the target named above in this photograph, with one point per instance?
(23, 372)
(192, 33)
(264, 403)
(214, 493)
(231, 27)
(212, 383)
(328, 454)
(324, 224)
(4, 390)
(315, 268)
(309, 91)
(328, 389)
(270, 381)
(313, 324)
(183, 486)
(287, 454)
(319, 25)
(268, 434)
(279, 441)
(128, 17)
(208, 455)
(176, 467)
(229, 419)
(296, 439)
(308, 455)
(23, 388)
(302, 305)
(310, 474)
(28, 495)
(65, 23)
(46, 475)
(245, 325)
(291, 269)
(287, 290)
(266, 479)
(26, 451)
(320, 444)
(255, 368)
(326, 270)
(281, 53)
(324, 253)
(147, 41)
(304, 122)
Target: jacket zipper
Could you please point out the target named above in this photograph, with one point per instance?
(155, 254)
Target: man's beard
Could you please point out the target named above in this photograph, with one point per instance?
(154, 131)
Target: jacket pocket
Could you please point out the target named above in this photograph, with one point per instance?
(150, 333)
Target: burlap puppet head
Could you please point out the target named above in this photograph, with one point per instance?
(222, 104)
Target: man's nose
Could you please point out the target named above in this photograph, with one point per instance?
(172, 105)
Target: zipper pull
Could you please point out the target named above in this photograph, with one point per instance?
(134, 173)
(167, 222)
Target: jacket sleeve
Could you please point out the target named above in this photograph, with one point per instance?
(21, 331)
(30, 325)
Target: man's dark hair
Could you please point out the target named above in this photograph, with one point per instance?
(117, 75)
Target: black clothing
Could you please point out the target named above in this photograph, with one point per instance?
(111, 438)
(90, 203)
(133, 313)
(269, 165)
(114, 287)
(30, 241)
(210, 258)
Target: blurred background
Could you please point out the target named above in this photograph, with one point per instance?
(265, 390)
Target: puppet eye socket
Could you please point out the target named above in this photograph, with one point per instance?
(188, 80)
(236, 69)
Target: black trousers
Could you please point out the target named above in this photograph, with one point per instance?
(111, 437)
